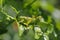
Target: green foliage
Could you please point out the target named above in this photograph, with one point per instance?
(31, 17)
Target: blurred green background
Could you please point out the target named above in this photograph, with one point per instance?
(29, 19)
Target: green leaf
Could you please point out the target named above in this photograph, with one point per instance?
(36, 4)
(27, 2)
(10, 10)
(1, 4)
(2, 16)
